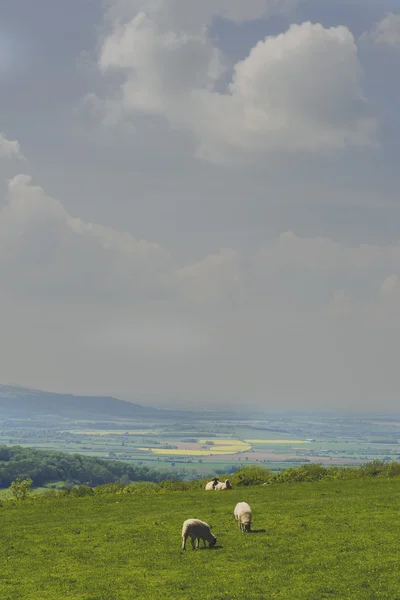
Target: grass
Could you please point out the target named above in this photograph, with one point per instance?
(311, 541)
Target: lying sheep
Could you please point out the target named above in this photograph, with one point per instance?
(211, 484)
(197, 530)
(223, 486)
(243, 515)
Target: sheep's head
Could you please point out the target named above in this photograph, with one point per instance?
(228, 484)
(213, 542)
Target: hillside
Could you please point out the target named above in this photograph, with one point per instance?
(24, 403)
(17, 402)
(312, 541)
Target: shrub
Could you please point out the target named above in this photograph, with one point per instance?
(108, 488)
(139, 487)
(373, 469)
(20, 490)
(392, 469)
(170, 485)
(81, 490)
(308, 472)
(250, 475)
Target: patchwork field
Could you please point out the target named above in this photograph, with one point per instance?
(199, 447)
(315, 541)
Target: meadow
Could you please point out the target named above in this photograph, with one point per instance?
(311, 541)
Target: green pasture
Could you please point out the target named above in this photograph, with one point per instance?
(311, 541)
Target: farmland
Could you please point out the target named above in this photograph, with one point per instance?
(200, 445)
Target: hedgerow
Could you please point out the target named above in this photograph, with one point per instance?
(249, 475)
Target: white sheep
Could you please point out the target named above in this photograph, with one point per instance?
(226, 485)
(197, 530)
(211, 484)
(243, 515)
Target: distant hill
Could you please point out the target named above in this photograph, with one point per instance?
(18, 402)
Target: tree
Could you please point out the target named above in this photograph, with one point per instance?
(20, 490)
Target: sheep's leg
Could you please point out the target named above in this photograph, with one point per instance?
(184, 542)
(192, 539)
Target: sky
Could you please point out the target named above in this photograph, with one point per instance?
(199, 201)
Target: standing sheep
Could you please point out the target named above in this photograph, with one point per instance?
(243, 515)
(223, 486)
(197, 530)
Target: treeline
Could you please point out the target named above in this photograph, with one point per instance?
(45, 467)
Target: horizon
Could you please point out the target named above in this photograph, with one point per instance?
(255, 410)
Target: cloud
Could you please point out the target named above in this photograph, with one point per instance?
(386, 32)
(59, 256)
(299, 90)
(81, 302)
(161, 66)
(9, 148)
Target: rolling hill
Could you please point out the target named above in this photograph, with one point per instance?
(19, 402)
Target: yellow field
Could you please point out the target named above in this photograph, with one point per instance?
(223, 442)
(216, 450)
(276, 441)
(118, 432)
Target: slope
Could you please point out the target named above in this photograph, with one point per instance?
(312, 541)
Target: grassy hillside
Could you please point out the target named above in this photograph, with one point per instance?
(311, 541)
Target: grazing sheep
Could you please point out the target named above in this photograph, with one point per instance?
(211, 484)
(197, 530)
(243, 515)
(223, 486)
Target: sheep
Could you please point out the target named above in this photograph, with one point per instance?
(211, 484)
(226, 485)
(243, 515)
(197, 530)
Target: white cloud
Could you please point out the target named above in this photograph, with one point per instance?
(162, 67)
(57, 255)
(9, 148)
(386, 32)
(120, 312)
(300, 90)
(67, 255)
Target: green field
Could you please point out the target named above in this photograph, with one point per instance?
(312, 541)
